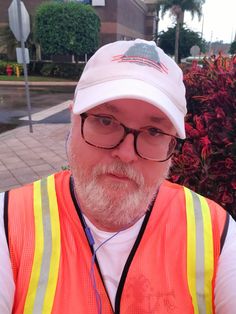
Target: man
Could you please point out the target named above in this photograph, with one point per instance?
(112, 235)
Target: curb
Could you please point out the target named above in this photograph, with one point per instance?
(22, 83)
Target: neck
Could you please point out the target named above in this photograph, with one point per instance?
(111, 227)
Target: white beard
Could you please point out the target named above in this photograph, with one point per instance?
(114, 204)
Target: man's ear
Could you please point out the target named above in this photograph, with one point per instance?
(71, 106)
(66, 143)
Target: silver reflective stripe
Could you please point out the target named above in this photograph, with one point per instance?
(47, 250)
(200, 267)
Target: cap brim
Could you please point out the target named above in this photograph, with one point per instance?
(94, 95)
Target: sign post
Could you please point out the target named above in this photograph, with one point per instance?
(195, 51)
(20, 26)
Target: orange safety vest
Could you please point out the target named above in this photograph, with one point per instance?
(171, 268)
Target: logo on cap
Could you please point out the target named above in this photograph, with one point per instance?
(142, 54)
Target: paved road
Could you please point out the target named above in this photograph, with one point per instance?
(13, 105)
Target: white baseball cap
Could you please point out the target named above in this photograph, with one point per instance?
(136, 69)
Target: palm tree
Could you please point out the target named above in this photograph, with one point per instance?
(178, 8)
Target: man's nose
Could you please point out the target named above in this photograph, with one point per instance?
(126, 151)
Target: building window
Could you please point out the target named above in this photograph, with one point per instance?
(98, 3)
(85, 1)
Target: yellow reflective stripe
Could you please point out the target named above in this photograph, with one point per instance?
(56, 247)
(208, 254)
(191, 248)
(45, 269)
(200, 252)
(47, 252)
(38, 251)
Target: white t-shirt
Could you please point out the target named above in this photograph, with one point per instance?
(7, 286)
(112, 257)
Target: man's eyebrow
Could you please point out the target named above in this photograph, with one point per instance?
(154, 119)
(111, 108)
(158, 119)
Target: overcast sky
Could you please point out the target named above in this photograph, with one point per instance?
(219, 21)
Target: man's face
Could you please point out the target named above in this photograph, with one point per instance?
(115, 186)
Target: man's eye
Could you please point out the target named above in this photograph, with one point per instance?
(153, 132)
(105, 121)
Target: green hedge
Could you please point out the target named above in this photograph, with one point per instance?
(48, 69)
(52, 69)
(3, 65)
(67, 28)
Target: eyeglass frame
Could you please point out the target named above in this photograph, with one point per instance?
(127, 131)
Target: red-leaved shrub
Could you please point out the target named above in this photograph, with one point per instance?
(206, 162)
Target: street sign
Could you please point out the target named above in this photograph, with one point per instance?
(20, 26)
(15, 23)
(19, 57)
(195, 51)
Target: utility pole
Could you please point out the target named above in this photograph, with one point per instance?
(24, 65)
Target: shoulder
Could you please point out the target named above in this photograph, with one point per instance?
(199, 204)
(169, 187)
(19, 200)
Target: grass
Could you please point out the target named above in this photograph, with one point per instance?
(33, 78)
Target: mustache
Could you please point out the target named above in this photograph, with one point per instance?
(120, 169)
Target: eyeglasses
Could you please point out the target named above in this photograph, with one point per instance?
(104, 131)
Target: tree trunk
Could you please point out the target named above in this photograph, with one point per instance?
(157, 19)
(179, 23)
(38, 52)
(177, 41)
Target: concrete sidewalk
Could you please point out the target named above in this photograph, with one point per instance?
(26, 157)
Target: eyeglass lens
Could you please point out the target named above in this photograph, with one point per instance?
(106, 132)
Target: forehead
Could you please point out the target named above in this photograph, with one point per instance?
(132, 109)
